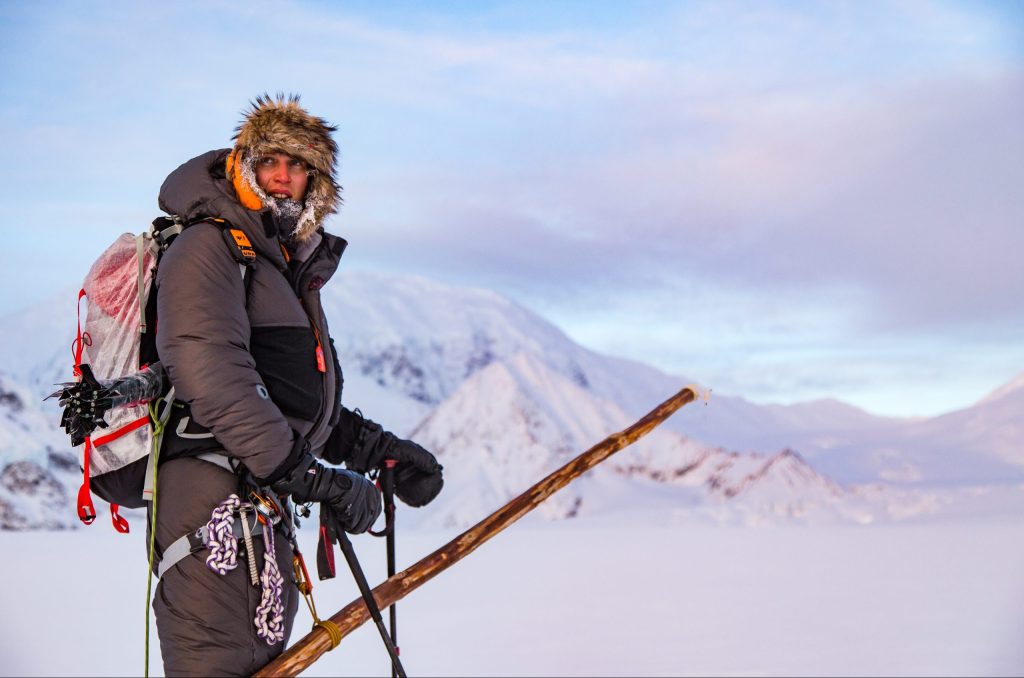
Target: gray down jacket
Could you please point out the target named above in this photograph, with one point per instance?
(246, 364)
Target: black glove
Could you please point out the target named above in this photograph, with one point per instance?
(374, 445)
(350, 501)
(415, 487)
(418, 476)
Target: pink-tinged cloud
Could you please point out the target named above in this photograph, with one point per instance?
(904, 192)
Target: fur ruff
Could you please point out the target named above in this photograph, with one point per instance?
(281, 125)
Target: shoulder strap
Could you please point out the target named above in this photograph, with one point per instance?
(166, 228)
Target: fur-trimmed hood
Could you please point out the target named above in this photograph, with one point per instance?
(281, 125)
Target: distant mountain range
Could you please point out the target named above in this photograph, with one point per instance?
(503, 397)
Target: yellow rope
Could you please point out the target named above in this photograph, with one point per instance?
(306, 589)
(332, 630)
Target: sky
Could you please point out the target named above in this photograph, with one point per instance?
(784, 201)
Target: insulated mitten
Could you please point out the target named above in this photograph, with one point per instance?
(418, 476)
(374, 445)
(350, 501)
(416, 488)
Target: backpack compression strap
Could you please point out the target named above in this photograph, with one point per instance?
(85, 506)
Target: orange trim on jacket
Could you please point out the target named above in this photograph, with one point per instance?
(243, 190)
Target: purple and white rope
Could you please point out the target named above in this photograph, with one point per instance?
(223, 545)
(221, 539)
(270, 612)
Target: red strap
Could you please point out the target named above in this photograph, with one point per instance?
(127, 428)
(86, 510)
(81, 340)
(325, 555)
(120, 524)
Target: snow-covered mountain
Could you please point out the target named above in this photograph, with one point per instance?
(504, 397)
(517, 420)
(980, 444)
(422, 338)
(37, 468)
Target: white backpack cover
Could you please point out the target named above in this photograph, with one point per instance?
(116, 290)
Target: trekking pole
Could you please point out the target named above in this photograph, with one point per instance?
(371, 602)
(387, 486)
(314, 644)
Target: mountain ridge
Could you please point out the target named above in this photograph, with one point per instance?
(424, 358)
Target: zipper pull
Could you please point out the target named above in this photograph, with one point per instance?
(321, 364)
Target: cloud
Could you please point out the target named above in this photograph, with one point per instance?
(785, 178)
(903, 190)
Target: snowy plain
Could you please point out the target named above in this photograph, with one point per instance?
(620, 593)
(715, 546)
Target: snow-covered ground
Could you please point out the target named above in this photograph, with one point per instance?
(738, 539)
(613, 594)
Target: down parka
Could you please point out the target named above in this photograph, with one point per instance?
(258, 373)
(225, 350)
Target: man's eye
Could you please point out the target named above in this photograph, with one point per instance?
(297, 164)
(266, 162)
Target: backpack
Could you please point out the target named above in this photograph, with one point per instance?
(121, 398)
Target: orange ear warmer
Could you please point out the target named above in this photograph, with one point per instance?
(243, 190)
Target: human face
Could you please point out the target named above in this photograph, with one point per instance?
(282, 176)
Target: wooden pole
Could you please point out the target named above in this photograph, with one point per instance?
(314, 644)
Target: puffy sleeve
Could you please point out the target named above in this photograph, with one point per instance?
(203, 341)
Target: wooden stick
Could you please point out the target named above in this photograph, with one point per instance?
(314, 644)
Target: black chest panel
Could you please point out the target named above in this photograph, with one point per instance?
(284, 344)
(286, 360)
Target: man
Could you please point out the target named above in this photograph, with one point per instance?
(257, 384)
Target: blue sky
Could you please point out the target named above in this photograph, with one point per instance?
(781, 200)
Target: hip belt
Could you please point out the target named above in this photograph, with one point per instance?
(231, 522)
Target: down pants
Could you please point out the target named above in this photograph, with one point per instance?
(204, 619)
